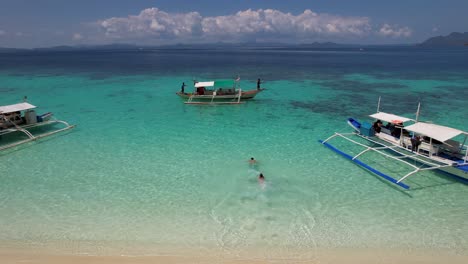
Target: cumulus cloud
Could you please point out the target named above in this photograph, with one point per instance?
(155, 25)
(244, 25)
(77, 36)
(152, 22)
(276, 23)
(394, 31)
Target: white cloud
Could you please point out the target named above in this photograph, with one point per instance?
(153, 23)
(435, 29)
(276, 23)
(77, 36)
(394, 31)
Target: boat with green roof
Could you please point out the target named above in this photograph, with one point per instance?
(218, 92)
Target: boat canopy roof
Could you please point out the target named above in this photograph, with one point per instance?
(15, 108)
(438, 132)
(204, 84)
(220, 83)
(390, 117)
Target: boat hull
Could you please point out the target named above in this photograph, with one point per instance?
(459, 171)
(354, 124)
(454, 170)
(426, 156)
(208, 97)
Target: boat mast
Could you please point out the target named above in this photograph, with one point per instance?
(378, 105)
(417, 112)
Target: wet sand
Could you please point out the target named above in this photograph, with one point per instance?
(350, 256)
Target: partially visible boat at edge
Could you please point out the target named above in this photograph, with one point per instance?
(22, 118)
(218, 92)
(431, 145)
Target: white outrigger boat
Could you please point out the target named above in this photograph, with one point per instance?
(218, 92)
(430, 147)
(22, 118)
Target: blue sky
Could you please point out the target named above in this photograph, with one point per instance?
(42, 23)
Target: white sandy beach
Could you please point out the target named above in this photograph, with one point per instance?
(352, 256)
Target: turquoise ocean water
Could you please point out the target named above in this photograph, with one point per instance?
(142, 171)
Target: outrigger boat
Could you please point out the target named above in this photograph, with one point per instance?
(429, 146)
(218, 92)
(22, 118)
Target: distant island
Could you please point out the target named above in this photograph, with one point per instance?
(454, 39)
(199, 46)
(217, 45)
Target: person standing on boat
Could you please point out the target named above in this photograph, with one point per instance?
(258, 83)
(377, 126)
(182, 89)
(415, 142)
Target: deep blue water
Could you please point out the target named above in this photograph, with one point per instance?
(270, 64)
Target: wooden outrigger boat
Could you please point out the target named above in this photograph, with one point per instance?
(428, 146)
(22, 118)
(218, 92)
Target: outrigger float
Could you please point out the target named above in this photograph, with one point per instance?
(22, 118)
(218, 92)
(427, 145)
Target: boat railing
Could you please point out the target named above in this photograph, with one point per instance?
(224, 101)
(213, 96)
(415, 155)
(378, 149)
(239, 95)
(191, 97)
(31, 137)
(18, 128)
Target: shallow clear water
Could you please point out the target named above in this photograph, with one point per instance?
(143, 168)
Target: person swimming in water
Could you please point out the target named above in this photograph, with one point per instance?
(261, 178)
(252, 161)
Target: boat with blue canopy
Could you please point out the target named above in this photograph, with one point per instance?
(423, 146)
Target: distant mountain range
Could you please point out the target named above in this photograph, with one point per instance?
(76, 48)
(454, 39)
(204, 46)
(91, 47)
(219, 45)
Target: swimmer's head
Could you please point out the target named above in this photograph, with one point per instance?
(252, 158)
(261, 176)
